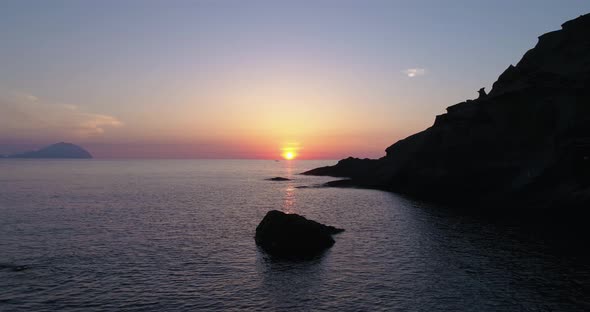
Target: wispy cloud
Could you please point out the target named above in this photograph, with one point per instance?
(414, 72)
(25, 116)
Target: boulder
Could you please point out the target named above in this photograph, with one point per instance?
(292, 235)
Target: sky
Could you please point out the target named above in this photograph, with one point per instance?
(251, 79)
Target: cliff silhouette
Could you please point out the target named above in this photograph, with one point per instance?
(526, 144)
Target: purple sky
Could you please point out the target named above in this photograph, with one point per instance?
(247, 79)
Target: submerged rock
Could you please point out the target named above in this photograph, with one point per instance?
(278, 179)
(13, 267)
(292, 235)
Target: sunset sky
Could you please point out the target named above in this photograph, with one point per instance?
(251, 79)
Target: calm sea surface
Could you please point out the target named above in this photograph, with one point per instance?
(178, 235)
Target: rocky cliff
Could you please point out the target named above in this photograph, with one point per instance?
(526, 142)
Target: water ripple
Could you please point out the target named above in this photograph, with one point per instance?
(178, 236)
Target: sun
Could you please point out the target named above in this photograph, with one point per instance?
(289, 155)
(290, 150)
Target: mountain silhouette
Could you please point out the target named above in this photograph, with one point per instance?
(57, 150)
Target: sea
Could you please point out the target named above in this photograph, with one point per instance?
(178, 235)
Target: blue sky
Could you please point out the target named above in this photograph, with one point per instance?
(210, 73)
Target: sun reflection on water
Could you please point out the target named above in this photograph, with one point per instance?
(289, 195)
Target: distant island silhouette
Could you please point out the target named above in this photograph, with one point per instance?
(523, 147)
(57, 150)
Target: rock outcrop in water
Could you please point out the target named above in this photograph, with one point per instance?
(527, 142)
(278, 179)
(292, 235)
(58, 150)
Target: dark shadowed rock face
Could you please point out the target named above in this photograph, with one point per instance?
(527, 141)
(58, 150)
(292, 235)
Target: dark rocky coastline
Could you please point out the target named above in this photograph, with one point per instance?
(524, 147)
